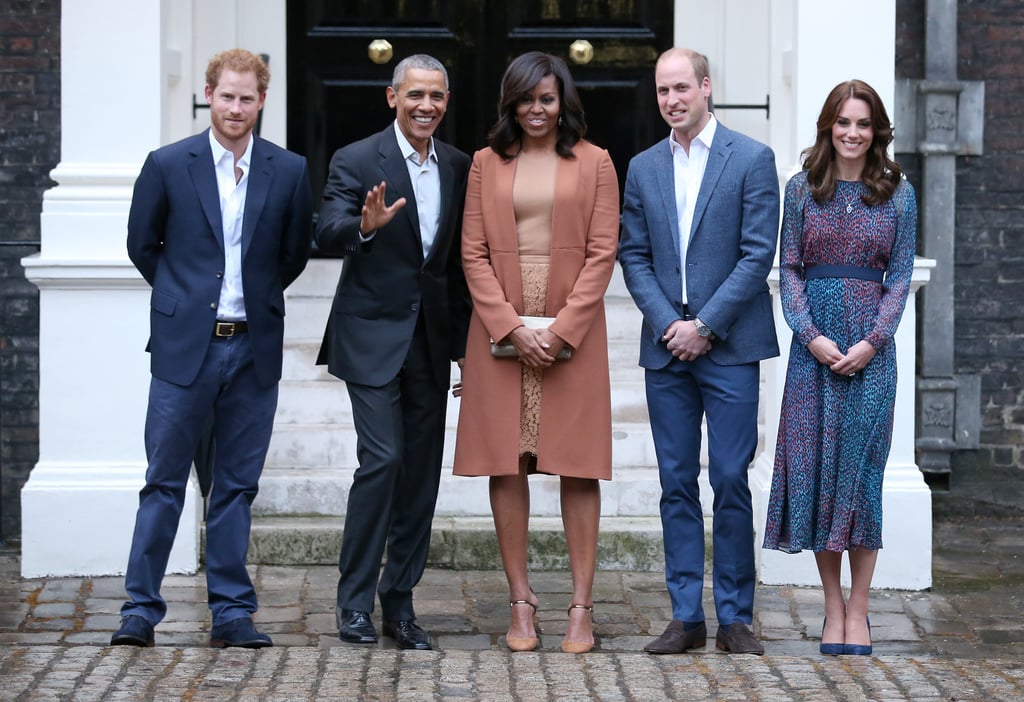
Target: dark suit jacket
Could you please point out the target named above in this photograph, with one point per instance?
(385, 283)
(176, 240)
(730, 252)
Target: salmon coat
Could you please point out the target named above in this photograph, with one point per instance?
(575, 417)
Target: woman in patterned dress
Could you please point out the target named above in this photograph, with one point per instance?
(846, 256)
(539, 236)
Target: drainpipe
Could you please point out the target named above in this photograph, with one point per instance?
(947, 117)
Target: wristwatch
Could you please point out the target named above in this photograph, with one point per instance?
(702, 329)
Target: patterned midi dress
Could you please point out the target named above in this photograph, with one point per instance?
(834, 430)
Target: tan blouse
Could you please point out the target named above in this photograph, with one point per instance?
(533, 196)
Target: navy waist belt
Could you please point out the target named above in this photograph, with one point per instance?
(828, 270)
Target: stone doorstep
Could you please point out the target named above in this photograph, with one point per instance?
(326, 402)
(467, 543)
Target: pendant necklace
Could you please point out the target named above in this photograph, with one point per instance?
(849, 203)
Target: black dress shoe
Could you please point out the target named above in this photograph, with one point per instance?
(677, 640)
(737, 638)
(355, 626)
(238, 632)
(408, 634)
(134, 631)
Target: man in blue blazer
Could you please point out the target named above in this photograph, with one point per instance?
(392, 207)
(700, 224)
(220, 224)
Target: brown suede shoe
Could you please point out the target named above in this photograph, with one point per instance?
(737, 638)
(677, 640)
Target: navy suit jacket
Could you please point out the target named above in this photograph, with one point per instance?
(385, 282)
(176, 240)
(730, 252)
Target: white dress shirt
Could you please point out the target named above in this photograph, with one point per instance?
(688, 173)
(231, 306)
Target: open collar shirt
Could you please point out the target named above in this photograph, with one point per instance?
(688, 173)
(426, 186)
(232, 189)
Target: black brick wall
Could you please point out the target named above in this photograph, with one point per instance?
(29, 149)
(989, 266)
(990, 234)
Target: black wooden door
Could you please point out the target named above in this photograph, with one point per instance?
(336, 92)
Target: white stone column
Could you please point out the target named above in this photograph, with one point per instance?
(118, 78)
(821, 43)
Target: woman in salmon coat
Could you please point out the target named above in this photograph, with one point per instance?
(539, 236)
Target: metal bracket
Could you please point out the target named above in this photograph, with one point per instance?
(197, 106)
(744, 106)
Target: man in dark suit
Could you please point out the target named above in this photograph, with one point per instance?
(700, 224)
(392, 207)
(219, 226)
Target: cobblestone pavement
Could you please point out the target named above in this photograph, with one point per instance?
(962, 640)
(337, 673)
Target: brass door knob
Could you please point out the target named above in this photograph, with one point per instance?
(581, 52)
(380, 51)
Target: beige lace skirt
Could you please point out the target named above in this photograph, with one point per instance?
(535, 291)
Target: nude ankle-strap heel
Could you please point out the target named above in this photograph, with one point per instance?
(522, 643)
(578, 646)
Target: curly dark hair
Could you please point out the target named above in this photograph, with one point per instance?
(521, 76)
(881, 174)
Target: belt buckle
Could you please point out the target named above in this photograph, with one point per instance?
(224, 329)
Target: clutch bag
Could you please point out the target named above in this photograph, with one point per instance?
(507, 350)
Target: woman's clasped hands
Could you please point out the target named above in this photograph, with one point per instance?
(537, 347)
(849, 363)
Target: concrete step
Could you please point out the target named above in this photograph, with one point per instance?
(332, 444)
(326, 402)
(312, 453)
(633, 491)
(467, 543)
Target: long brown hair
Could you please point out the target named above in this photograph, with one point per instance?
(881, 174)
(525, 71)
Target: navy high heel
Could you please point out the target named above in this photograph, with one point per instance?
(858, 649)
(830, 649)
